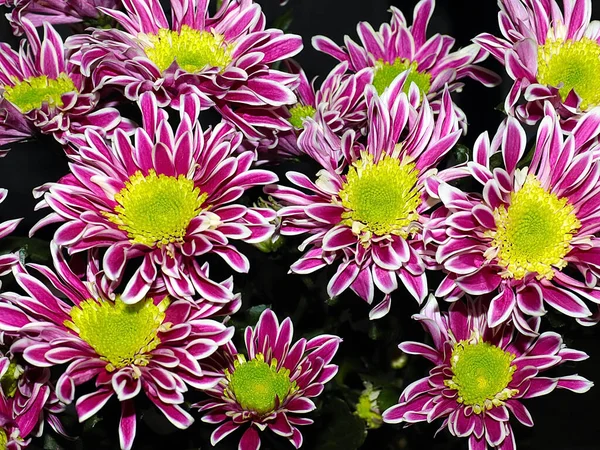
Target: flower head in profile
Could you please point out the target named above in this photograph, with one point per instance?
(481, 375)
(41, 91)
(6, 228)
(54, 12)
(223, 59)
(531, 234)
(164, 199)
(366, 210)
(399, 47)
(155, 346)
(339, 102)
(272, 385)
(551, 54)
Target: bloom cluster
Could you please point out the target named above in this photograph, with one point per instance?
(153, 224)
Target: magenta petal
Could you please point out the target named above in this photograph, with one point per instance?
(501, 307)
(222, 431)
(250, 440)
(127, 425)
(482, 282)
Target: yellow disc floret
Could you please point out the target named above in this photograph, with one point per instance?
(386, 72)
(121, 334)
(571, 65)
(381, 198)
(299, 113)
(258, 386)
(481, 374)
(193, 49)
(534, 233)
(156, 210)
(32, 93)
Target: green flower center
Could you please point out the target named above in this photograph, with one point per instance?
(299, 113)
(10, 379)
(32, 93)
(121, 334)
(534, 233)
(258, 386)
(574, 65)
(156, 210)
(386, 72)
(193, 50)
(3, 439)
(482, 373)
(381, 198)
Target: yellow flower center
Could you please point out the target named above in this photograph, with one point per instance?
(299, 113)
(386, 72)
(10, 380)
(534, 233)
(381, 198)
(258, 386)
(572, 65)
(121, 334)
(32, 93)
(156, 210)
(482, 373)
(193, 50)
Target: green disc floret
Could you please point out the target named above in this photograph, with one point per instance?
(32, 93)
(386, 72)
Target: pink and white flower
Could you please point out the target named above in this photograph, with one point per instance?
(531, 234)
(368, 206)
(481, 375)
(40, 90)
(397, 47)
(166, 198)
(551, 54)
(155, 346)
(224, 59)
(270, 388)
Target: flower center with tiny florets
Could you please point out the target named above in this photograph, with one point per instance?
(193, 49)
(299, 113)
(381, 198)
(534, 233)
(155, 210)
(121, 334)
(482, 373)
(386, 72)
(574, 65)
(32, 93)
(10, 380)
(258, 386)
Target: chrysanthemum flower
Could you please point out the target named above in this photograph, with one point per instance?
(339, 102)
(530, 224)
(41, 90)
(6, 228)
(481, 375)
(53, 11)
(224, 59)
(167, 198)
(27, 401)
(154, 346)
(398, 47)
(368, 205)
(271, 387)
(551, 55)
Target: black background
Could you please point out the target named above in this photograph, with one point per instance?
(563, 420)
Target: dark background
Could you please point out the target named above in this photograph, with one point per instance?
(563, 420)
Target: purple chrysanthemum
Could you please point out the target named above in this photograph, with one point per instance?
(271, 387)
(339, 103)
(529, 224)
(224, 59)
(397, 47)
(368, 205)
(481, 375)
(550, 55)
(168, 197)
(53, 12)
(41, 90)
(154, 346)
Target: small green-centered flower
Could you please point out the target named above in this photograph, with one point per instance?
(386, 72)
(299, 113)
(271, 387)
(367, 407)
